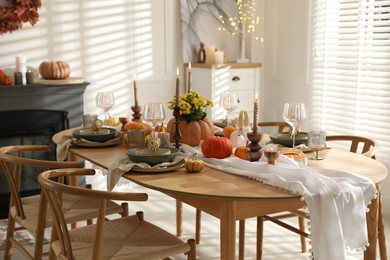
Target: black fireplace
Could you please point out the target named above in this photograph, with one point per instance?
(28, 127)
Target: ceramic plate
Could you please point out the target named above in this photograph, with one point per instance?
(285, 139)
(108, 143)
(140, 155)
(158, 169)
(102, 136)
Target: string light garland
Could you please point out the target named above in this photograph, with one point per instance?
(246, 19)
(20, 11)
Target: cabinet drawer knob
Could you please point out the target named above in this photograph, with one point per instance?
(236, 78)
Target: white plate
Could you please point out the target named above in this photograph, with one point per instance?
(157, 170)
(70, 80)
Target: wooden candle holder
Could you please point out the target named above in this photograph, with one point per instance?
(137, 113)
(177, 134)
(254, 146)
(123, 120)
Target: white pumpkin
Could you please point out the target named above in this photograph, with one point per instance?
(239, 137)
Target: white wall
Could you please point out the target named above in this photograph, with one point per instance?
(105, 42)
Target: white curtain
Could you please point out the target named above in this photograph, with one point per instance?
(350, 59)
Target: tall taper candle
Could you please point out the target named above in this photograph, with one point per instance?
(135, 90)
(177, 101)
(189, 77)
(255, 111)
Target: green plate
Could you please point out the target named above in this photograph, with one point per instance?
(103, 135)
(285, 139)
(143, 154)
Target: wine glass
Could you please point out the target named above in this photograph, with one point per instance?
(229, 103)
(154, 114)
(294, 114)
(105, 101)
(316, 142)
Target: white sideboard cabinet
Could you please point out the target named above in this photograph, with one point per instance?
(212, 80)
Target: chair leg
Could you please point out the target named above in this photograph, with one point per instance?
(10, 234)
(301, 221)
(381, 227)
(191, 255)
(259, 238)
(197, 225)
(241, 240)
(125, 207)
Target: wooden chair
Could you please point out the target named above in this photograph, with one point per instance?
(29, 212)
(129, 237)
(358, 144)
(282, 126)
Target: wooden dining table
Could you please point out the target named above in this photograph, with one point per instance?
(230, 197)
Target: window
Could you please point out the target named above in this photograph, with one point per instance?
(350, 62)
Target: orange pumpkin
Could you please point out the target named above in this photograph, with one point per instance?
(228, 130)
(2, 73)
(191, 132)
(54, 70)
(217, 147)
(160, 128)
(242, 152)
(7, 80)
(131, 125)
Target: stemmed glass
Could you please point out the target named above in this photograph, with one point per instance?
(105, 101)
(154, 114)
(229, 103)
(316, 142)
(294, 114)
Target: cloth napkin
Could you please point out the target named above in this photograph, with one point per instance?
(123, 165)
(337, 200)
(67, 140)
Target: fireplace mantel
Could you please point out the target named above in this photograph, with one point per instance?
(51, 97)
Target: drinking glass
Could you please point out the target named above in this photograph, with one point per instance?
(154, 114)
(294, 114)
(105, 101)
(229, 103)
(316, 142)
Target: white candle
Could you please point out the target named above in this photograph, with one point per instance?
(219, 57)
(21, 66)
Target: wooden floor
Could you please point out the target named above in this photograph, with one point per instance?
(160, 209)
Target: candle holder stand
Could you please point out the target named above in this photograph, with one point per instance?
(177, 134)
(137, 113)
(254, 146)
(123, 120)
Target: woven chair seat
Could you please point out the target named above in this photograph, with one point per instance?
(75, 209)
(146, 241)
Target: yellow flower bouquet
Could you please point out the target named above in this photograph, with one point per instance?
(192, 106)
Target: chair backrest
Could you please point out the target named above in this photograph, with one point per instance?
(12, 161)
(282, 126)
(366, 146)
(53, 192)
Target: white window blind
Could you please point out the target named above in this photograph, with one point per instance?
(350, 63)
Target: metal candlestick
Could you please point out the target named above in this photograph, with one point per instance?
(254, 146)
(137, 113)
(176, 134)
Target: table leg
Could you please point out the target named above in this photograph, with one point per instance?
(179, 218)
(241, 240)
(228, 230)
(372, 229)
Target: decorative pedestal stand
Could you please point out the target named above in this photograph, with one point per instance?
(177, 134)
(137, 113)
(254, 146)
